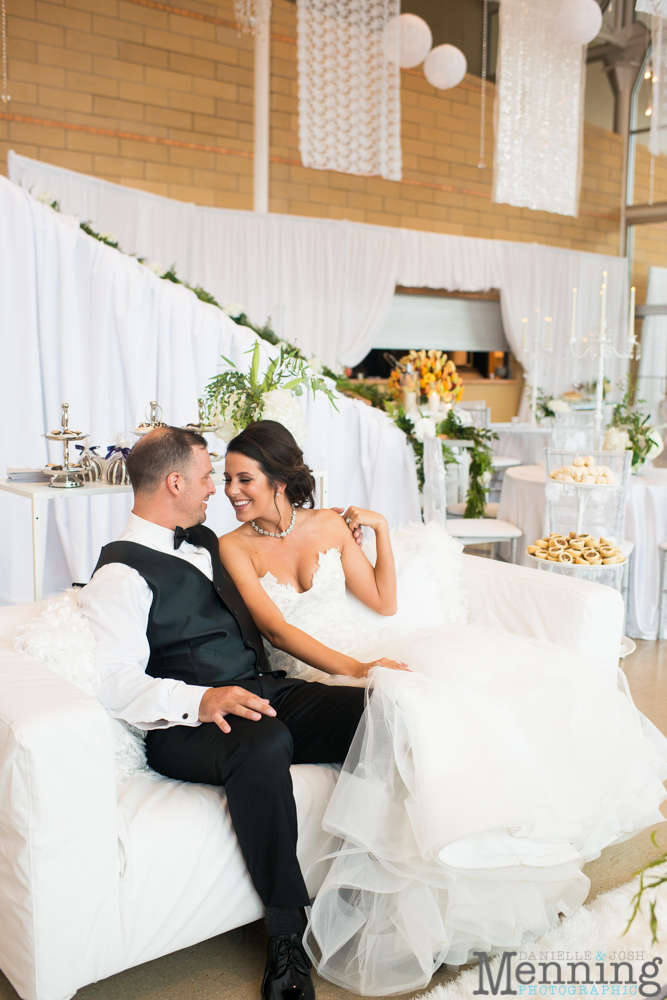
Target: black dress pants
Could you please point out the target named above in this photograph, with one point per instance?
(314, 724)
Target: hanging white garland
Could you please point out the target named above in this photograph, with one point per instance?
(3, 15)
(659, 81)
(349, 86)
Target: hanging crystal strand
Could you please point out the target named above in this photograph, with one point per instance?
(651, 180)
(482, 108)
(5, 95)
(249, 13)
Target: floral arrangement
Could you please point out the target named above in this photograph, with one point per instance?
(235, 399)
(548, 406)
(630, 431)
(436, 374)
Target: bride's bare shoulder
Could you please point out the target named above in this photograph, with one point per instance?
(234, 540)
(324, 520)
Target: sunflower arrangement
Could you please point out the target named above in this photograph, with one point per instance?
(436, 373)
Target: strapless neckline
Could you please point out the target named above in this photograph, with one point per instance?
(289, 586)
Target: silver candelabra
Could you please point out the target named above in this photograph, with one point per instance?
(535, 354)
(600, 348)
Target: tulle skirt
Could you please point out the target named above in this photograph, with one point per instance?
(476, 788)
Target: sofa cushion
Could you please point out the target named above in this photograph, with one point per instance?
(182, 875)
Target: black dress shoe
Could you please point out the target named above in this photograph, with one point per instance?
(287, 973)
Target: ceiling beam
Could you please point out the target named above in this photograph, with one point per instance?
(637, 215)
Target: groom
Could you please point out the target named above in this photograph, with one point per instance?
(180, 657)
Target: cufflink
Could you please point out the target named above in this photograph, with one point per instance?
(185, 715)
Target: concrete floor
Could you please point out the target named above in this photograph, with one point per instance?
(230, 967)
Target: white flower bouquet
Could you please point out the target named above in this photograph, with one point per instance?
(236, 399)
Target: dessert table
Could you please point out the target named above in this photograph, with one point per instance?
(521, 441)
(522, 502)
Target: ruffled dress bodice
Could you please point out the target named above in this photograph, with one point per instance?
(323, 612)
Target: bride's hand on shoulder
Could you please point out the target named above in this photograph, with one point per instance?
(357, 517)
(382, 662)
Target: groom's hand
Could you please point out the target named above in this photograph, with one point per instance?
(219, 702)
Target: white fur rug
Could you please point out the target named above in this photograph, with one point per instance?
(596, 929)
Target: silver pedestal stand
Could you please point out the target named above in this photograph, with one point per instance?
(67, 477)
(154, 419)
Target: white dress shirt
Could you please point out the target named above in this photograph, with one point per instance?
(117, 602)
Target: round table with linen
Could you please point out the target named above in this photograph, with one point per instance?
(523, 503)
(521, 441)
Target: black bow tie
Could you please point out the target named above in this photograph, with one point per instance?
(184, 535)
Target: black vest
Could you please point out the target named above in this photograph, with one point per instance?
(198, 632)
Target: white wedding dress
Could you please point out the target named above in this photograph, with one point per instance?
(474, 791)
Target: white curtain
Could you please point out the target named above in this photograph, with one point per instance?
(333, 281)
(529, 277)
(652, 384)
(83, 324)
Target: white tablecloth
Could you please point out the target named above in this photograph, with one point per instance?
(522, 442)
(523, 503)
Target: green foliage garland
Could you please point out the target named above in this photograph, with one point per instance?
(627, 417)
(241, 394)
(481, 461)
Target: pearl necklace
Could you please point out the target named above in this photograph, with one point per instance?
(276, 534)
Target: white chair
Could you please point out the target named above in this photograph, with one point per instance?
(469, 531)
(479, 414)
(574, 431)
(475, 412)
(480, 530)
(321, 488)
(458, 481)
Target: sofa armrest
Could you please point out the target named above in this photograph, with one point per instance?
(58, 831)
(585, 617)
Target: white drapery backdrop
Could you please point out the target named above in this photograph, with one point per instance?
(652, 384)
(84, 324)
(333, 281)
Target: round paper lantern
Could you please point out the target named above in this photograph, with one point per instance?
(577, 22)
(415, 40)
(445, 66)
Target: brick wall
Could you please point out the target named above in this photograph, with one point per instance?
(162, 101)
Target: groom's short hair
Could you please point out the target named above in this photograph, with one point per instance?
(159, 453)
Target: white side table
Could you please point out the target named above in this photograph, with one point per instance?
(40, 494)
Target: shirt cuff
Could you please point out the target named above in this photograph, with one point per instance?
(185, 702)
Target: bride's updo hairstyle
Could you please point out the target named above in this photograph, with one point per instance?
(279, 457)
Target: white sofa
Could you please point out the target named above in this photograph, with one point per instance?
(96, 878)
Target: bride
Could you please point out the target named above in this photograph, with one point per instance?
(487, 768)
